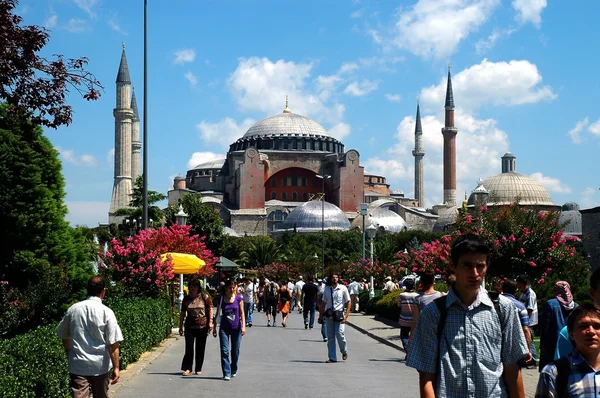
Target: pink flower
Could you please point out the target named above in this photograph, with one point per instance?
(483, 208)
(148, 280)
(512, 238)
(541, 281)
(468, 219)
(504, 239)
(522, 251)
(526, 231)
(531, 263)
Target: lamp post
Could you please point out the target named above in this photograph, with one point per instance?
(181, 218)
(323, 178)
(363, 213)
(371, 232)
(405, 268)
(145, 127)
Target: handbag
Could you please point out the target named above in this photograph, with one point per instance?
(337, 316)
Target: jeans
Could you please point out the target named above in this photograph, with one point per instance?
(261, 304)
(324, 329)
(228, 366)
(248, 311)
(533, 353)
(199, 336)
(310, 308)
(335, 331)
(404, 335)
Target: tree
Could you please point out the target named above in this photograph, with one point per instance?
(34, 86)
(136, 205)
(203, 218)
(44, 260)
(262, 252)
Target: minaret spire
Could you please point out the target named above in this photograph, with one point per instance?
(449, 132)
(418, 153)
(286, 110)
(123, 74)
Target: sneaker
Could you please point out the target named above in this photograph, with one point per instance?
(306, 326)
(226, 378)
(249, 325)
(233, 375)
(325, 340)
(268, 323)
(311, 328)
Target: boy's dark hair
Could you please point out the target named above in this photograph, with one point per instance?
(468, 243)
(523, 279)
(595, 279)
(579, 312)
(427, 279)
(509, 287)
(95, 285)
(409, 284)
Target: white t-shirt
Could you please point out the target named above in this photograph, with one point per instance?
(249, 293)
(298, 287)
(529, 300)
(340, 297)
(354, 288)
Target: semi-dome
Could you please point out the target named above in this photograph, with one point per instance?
(286, 124)
(308, 217)
(383, 218)
(213, 164)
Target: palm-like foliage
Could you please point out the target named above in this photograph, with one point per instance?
(260, 253)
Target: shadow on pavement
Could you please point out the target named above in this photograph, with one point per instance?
(387, 360)
(303, 361)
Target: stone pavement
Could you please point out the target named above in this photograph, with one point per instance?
(275, 362)
(388, 332)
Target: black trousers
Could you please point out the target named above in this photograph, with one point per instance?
(199, 336)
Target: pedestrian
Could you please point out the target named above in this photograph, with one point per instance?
(335, 308)
(427, 296)
(298, 294)
(508, 289)
(465, 344)
(261, 295)
(389, 286)
(577, 374)
(249, 294)
(354, 289)
(196, 314)
(529, 300)
(231, 330)
(271, 302)
(310, 295)
(406, 302)
(553, 320)
(322, 287)
(284, 297)
(91, 336)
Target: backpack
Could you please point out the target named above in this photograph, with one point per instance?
(440, 303)
(271, 293)
(563, 367)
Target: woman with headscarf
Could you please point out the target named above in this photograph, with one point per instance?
(554, 318)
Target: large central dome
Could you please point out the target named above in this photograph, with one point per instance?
(286, 124)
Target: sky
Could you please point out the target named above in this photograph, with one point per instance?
(525, 79)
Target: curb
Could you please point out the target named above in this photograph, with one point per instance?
(142, 363)
(374, 336)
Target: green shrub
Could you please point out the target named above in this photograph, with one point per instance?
(372, 303)
(387, 306)
(35, 365)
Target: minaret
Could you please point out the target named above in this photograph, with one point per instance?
(418, 153)
(122, 188)
(136, 144)
(449, 133)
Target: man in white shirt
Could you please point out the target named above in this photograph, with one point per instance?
(354, 289)
(249, 293)
(529, 300)
(91, 337)
(298, 293)
(334, 311)
(389, 285)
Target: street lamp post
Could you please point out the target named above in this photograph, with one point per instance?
(145, 127)
(323, 178)
(371, 232)
(181, 219)
(363, 213)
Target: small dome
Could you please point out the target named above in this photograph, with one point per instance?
(179, 178)
(308, 217)
(383, 218)
(570, 206)
(505, 188)
(286, 124)
(570, 216)
(214, 164)
(230, 232)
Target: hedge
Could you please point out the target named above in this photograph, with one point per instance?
(387, 306)
(35, 365)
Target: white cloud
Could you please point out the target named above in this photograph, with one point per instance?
(393, 97)
(375, 36)
(357, 14)
(434, 28)
(348, 67)
(224, 132)
(51, 21)
(87, 213)
(340, 131)
(595, 128)
(77, 25)
(110, 156)
(551, 184)
(185, 55)
(492, 83)
(202, 157)
(575, 132)
(391, 169)
(69, 156)
(87, 6)
(114, 25)
(191, 78)
(358, 89)
(589, 198)
(529, 11)
(484, 45)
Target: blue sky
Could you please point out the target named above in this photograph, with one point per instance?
(524, 73)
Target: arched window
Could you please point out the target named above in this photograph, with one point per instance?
(294, 196)
(305, 197)
(273, 195)
(273, 182)
(283, 196)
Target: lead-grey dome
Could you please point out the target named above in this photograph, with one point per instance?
(570, 206)
(307, 218)
(383, 218)
(286, 124)
(213, 164)
(505, 188)
(571, 217)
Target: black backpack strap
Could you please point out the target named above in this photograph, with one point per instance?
(563, 368)
(440, 303)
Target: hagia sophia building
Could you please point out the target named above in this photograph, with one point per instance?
(287, 173)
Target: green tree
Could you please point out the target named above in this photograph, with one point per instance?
(262, 252)
(44, 260)
(136, 205)
(203, 218)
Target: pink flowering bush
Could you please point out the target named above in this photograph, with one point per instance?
(279, 272)
(433, 257)
(136, 264)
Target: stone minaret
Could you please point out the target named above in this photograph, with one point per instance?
(122, 188)
(418, 153)
(449, 133)
(136, 144)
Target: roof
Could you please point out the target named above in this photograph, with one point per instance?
(230, 232)
(572, 221)
(213, 164)
(313, 215)
(134, 107)
(505, 188)
(286, 124)
(445, 219)
(383, 218)
(418, 127)
(224, 262)
(449, 93)
(123, 74)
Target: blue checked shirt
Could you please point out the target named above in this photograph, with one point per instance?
(473, 347)
(583, 381)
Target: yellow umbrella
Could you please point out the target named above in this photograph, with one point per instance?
(184, 263)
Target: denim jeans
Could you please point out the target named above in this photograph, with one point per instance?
(533, 353)
(228, 366)
(324, 329)
(311, 308)
(404, 336)
(248, 311)
(335, 331)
